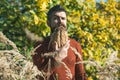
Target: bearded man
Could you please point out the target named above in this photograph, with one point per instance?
(59, 56)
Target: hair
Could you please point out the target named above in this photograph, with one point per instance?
(55, 8)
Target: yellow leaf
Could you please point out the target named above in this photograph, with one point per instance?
(95, 17)
(42, 4)
(90, 78)
(36, 19)
(84, 53)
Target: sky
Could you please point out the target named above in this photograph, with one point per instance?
(99, 0)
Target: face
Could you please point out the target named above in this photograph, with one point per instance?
(58, 27)
(57, 19)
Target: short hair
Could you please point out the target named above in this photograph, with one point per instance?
(55, 8)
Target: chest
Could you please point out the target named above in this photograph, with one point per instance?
(67, 68)
(70, 59)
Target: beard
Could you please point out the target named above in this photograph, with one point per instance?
(59, 37)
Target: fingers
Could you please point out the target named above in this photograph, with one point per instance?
(56, 46)
(62, 52)
(67, 44)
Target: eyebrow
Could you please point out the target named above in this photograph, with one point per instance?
(58, 16)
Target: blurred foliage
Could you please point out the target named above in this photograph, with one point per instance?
(95, 25)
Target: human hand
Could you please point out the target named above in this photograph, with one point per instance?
(62, 52)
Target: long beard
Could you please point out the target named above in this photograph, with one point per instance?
(59, 37)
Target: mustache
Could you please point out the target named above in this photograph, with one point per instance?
(61, 27)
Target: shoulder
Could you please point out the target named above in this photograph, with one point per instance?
(41, 46)
(73, 42)
(43, 42)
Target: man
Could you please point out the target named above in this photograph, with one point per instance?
(59, 56)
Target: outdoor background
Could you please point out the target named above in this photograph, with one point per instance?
(95, 25)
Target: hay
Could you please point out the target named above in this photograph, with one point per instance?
(14, 66)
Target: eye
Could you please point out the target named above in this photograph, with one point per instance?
(63, 18)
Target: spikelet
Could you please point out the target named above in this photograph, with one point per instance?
(59, 36)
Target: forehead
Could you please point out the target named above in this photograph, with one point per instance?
(60, 14)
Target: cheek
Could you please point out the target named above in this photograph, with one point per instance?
(54, 22)
(65, 23)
